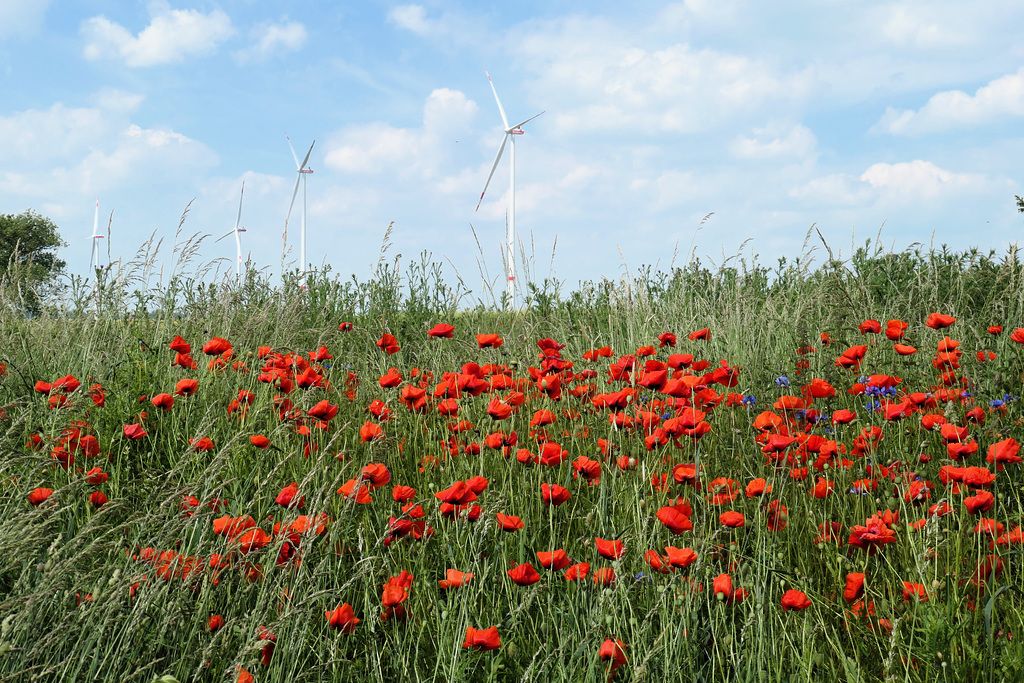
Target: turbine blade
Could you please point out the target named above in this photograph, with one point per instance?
(306, 159)
(504, 119)
(497, 158)
(227, 234)
(295, 192)
(239, 219)
(294, 155)
(520, 125)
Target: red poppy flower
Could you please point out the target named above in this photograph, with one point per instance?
(673, 517)
(666, 339)
(179, 345)
(376, 475)
(392, 379)
(555, 560)
(393, 595)
(403, 494)
(345, 327)
(873, 534)
(98, 499)
(342, 618)
(854, 589)
(259, 441)
(251, 540)
(895, 329)
(324, 411)
(215, 622)
(680, 557)
(795, 600)
(605, 576)
(134, 432)
(577, 572)
(482, 639)
(613, 652)
(870, 327)
(498, 409)
(509, 522)
(914, 590)
(732, 519)
(485, 341)
(203, 444)
(704, 334)
(938, 321)
(553, 494)
(96, 476)
(1003, 452)
(552, 454)
(982, 501)
(442, 330)
(216, 347)
(389, 344)
(455, 579)
(458, 493)
(524, 575)
(613, 550)
(289, 496)
(184, 387)
(722, 587)
(66, 384)
(185, 361)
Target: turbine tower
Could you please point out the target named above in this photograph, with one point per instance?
(238, 238)
(301, 171)
(94, 260)
(510, 133)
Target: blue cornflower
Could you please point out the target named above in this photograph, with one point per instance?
(782, 381)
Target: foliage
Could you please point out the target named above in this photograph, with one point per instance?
(27, 241)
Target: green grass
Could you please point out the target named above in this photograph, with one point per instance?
(139, 627)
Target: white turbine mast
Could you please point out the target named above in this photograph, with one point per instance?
(510, 133)
(94, 260)
(301, 171)
(235, 232)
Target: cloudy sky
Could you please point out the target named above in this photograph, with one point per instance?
(851, 115)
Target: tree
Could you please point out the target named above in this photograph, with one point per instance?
(26, 257)
(1020, 203)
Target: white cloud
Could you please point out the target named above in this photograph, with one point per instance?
(837, 189)
(271, 39)
(921, 26)
(598, 78)
(18, 17)
(905, 182)
(171, 37)
(773, 142)
(380, 147)
(919, 179)
(65, 150)
(1000, 98)
(413, 18)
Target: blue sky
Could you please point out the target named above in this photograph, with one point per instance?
(845, 114)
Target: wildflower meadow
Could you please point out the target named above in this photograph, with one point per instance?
(800, 473)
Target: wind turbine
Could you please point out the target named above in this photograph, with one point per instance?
(301, 170)
(238, 239)
(510, 133)
(94, 260)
